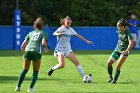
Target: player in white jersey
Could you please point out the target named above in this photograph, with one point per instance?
(63, 42)
(63, 47)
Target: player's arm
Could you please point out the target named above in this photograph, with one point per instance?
(58, 33)
(23, 46)
(129, 47)
(82, 38)
(44, 44)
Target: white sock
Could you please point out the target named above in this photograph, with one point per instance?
(80, 70)
(55, 67)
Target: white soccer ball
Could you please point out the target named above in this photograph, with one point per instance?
(87, 78)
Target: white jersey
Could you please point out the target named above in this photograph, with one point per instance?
(63, 42)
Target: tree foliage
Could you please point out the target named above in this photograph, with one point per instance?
(83, 12)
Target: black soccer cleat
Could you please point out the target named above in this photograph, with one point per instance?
(110, 79)
(90, 75)
(114, 82)
(50, 71)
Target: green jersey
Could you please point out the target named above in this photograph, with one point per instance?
(34, 39)
(123, 40)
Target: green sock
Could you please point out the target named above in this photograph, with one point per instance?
(34, 78)
(21, 77)
(110, 69)
(116, 75)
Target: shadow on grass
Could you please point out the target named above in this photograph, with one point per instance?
(10, 79)
(123, 83)
(131, 82)
(82, 92)
(76, 92)
(16, 53)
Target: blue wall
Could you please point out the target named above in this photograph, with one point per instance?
(6, 38)
(104, 38)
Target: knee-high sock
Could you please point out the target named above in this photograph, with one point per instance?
(116, 75)
(21, 77)
(34, 78)
(55, 67)
(80, 70)
(110, 69)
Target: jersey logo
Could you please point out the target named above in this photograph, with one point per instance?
(67, 35)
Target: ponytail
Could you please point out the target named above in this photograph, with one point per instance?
(38, 24)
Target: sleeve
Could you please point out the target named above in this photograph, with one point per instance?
(129, 35)
(73, 32)
(27, 37)
(60, 29)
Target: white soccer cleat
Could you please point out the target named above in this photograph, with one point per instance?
(30, 90)
(17, 89)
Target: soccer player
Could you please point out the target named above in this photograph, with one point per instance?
(133, 29)
(124, 45)
(63, 47)
(32, 52)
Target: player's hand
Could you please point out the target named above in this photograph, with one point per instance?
(125, 52)
(61, 33)
(22, 50)
(46, 49)
(58, 33)
(89, 42)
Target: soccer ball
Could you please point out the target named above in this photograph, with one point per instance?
(87, 78)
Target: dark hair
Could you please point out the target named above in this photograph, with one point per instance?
(62, 21)
(123, 22)
(38, 24)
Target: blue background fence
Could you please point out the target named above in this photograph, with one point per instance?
(104, 38)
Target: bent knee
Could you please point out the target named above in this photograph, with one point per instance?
(118, 67)
(110, 62)
(61, 65)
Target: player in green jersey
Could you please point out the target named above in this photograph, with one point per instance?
(31, 49)
(124, 45)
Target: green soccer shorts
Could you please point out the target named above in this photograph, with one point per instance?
(31, 55)
(115, 55)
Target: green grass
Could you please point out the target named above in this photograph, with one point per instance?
(68, 80)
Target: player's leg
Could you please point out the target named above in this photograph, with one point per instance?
(119, 64)
(36, 57)
(61, 64)
(75, 61)
(26, 65)
(110, 69)
(114, 56)
(36, 66)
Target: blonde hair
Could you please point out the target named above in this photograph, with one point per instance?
(62, 21)
(38, 24)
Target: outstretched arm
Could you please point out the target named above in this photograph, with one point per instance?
(23, 46)
(82, 38)
(57, 33)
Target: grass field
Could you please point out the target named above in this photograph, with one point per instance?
(68, 80)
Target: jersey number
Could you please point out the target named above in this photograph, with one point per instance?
(35, 37)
